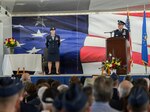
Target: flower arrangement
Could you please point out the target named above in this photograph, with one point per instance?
(111, 63)
(10, 42)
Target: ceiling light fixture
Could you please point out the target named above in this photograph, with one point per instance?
(20, 3)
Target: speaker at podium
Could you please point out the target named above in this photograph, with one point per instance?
(119, 47)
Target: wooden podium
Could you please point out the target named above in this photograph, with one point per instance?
(119, 47)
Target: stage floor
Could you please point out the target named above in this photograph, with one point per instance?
(64, 78)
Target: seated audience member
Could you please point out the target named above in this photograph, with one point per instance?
(115, 78)
(138, 100)
(11, 92)
(141, 82)
(88, 91)
(75, 100)
(124, 90)
(102, 90)
(48, 98)
(31, 92)
(37, 101)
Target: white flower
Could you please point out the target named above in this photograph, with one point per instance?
(110, 65)
(110, 54)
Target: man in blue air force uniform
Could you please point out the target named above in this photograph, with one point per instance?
(53, 43)
(121, 32)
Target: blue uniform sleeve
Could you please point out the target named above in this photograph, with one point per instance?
(46, 42)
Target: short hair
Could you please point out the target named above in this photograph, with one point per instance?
(74, 99)
(142, 108)
(87, 90)
(49, 95)
(55, 84)
(74, 80)
(124, 88)
(138, 100)
(30, 88)
(141, 82)
(103, 89)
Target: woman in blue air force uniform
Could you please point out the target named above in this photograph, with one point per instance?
(53, 43)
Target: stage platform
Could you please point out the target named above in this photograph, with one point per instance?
(64, 78)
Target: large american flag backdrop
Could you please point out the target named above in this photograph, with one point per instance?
(82, 39)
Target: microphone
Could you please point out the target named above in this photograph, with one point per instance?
(110, 31)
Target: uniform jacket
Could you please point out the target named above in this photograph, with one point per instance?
(53, 44)
(123, 33)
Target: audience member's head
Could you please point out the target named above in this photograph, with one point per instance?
(75, 100)
(48, 98)
(88, 91)
(41, 92)
(30, 88)
(55, 84)
(124, 88)
(50, 80)
(103, 89)
(25, 77)
(10, 94)
(74, 80)
(62, 88)
(88, 82)
(138, 100)
(141, 82)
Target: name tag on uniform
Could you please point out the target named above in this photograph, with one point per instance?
(56, 38)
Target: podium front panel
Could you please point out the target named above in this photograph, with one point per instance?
(119, 48)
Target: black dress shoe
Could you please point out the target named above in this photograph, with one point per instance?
(49, 73)
(57, 73)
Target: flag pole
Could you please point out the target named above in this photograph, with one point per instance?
(146, 68)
